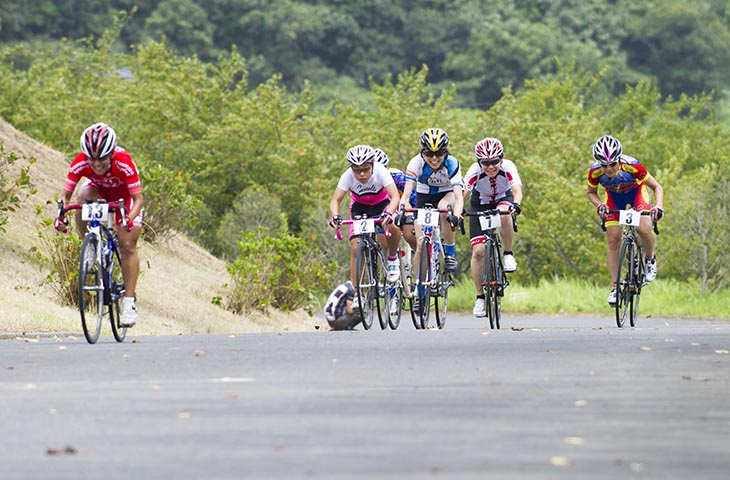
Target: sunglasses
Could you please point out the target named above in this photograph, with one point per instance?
(102, 159)
(430, 154)
(609, 165)
(489, 163)
(363, 169)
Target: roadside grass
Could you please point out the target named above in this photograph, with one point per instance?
(661, 298)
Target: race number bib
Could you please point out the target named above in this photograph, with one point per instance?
(629, 217)
(427, 218)
(490, 222)
(361, 227)
(95, 211)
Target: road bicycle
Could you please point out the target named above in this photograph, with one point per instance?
(101, 287)
(630, 276)
(494, 278)
(430, 284)
(371, 288)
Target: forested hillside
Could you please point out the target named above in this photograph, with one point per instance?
(246, 162)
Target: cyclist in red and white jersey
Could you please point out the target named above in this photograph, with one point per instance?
(111, 175)
(493, 183)
(373, 193)
(625, 181)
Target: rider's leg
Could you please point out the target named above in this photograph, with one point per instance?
(613, 237)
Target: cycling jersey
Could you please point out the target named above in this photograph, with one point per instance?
(627, 187)
(400, 182)
(486, 190)
(431, 182)
(120, 181)
(370, 193)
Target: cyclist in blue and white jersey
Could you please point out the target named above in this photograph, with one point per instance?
(409, 232)
(435, 174)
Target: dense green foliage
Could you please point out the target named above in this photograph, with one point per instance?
(13, 183)
(219, 155)
(481, 46)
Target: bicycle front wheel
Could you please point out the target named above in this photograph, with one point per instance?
(381, 287)
(441, 298)
(116, 292)
(423, 285)
(492, 285)
(624, 295)
(91, 289)
(637, 279)
(365, 286)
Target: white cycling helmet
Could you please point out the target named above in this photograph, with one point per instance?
(381, 157)
(98, 141)
(360, 154)
(607, 150)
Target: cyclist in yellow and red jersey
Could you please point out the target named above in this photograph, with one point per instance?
(625, 181)
(111, 175)
(409, 231)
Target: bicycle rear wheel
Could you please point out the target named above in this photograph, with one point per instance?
(395, 305)
(365, 286)
(624, 297)
(116, 293)
(91, 289)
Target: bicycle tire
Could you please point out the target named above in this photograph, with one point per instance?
(441, 298)
(491, 287)
(91, 289)
(423, 285)
(116, 293)
(397, 297)
(381, 286)
(364, 284)
(638, 281)
(623, 290)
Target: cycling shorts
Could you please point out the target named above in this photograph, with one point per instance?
(637, 199)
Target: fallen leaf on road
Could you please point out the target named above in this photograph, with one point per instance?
(517, 329)
(580, 403)
(199, 353)
(646, 349)
(574, 441)
(722, 352)
(559, 461)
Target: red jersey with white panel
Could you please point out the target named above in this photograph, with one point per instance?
(626, 188)
(120, 181)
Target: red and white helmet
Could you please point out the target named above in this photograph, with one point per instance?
(360, 154)
(98, 141)
(607, 150)
(489, 148)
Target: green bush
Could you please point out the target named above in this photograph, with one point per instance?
(11, 184)
(276, 270)
(58, 254)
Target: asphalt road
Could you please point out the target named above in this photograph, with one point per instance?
(546, 397)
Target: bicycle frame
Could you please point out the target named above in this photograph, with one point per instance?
(431, 280)
(108, 292)
(494, 278)
(630, 275)
(370, 285)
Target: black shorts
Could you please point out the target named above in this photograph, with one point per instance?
(475, 228)
(423, 199)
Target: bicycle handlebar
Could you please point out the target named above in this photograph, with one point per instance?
(487, 213)
(449, 209)
(113, 207)
(350, 221)
(643, 213)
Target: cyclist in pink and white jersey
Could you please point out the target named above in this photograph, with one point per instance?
(111, 175)
(373, 193)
